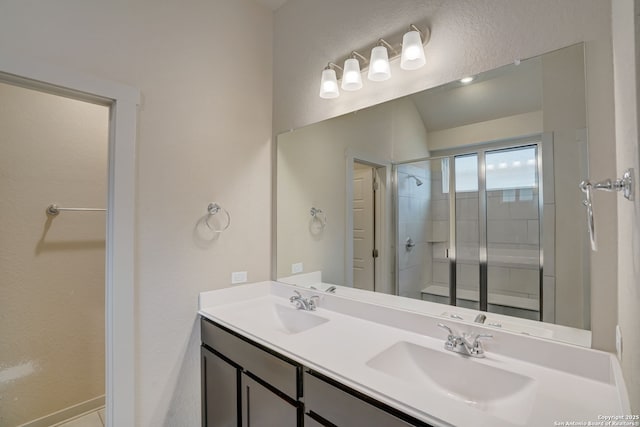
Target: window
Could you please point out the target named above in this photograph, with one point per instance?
(510, 169)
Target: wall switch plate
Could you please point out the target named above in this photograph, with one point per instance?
(619, 342)
(297, 268)
(238, 277)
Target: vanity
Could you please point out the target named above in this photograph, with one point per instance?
(274, 354)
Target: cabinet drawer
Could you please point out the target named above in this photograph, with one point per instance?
(343, 409)
(281, 374)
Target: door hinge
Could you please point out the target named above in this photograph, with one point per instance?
(375, 253)
(375, 185)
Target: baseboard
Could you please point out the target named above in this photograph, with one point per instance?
(67, 413)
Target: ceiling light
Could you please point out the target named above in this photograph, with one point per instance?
(412, 50)
(329, 83)
(467, 80)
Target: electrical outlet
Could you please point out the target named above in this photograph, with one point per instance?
(238, 277)
(619, 342)
(297, 268)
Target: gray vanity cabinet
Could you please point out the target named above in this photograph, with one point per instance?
(333, 404)
(244, 385)
(310, 422)
(263, 408)
(219, 391)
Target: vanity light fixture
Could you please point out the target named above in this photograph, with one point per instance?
(466, 80)
(412, 49)
(408, 46)
(329, 82)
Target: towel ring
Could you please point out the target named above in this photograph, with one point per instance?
(212, 210)
(319, 216)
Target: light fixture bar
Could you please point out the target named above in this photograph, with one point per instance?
(355, 54)
(383, 42)
(414, 28)
(392, 43)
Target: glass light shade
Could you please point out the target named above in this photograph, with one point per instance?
(351, 78)
(329, 84)
(379, 69)
(412, 51)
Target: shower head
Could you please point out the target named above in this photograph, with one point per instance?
(418, 180)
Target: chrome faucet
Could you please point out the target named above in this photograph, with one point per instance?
(480, 318)
(467, 344)
(302, 303)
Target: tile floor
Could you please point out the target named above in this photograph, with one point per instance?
(91, 419)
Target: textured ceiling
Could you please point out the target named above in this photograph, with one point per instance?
(272, 4)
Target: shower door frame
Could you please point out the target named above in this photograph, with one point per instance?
(123, 102)
(480, 150)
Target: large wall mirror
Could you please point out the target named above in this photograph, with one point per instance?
(463, 196)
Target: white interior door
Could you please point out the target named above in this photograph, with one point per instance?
(363, 227)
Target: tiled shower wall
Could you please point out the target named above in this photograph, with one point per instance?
(513, 231)
(414, 205)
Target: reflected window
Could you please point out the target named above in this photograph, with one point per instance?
(466, 173)
(511, 169)
(515, 168)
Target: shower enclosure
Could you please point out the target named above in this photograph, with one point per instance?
(469, 227)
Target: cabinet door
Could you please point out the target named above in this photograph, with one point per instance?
(219, 391)
(263, 408)
(310, 422)
(343, 409)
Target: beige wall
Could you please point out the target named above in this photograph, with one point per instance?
(204, 69)
(467, 37)
(52, 149)
(626, 50)
(564, 115)
(490, 130)
(312, 171)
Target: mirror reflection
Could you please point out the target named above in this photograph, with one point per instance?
(464, 195)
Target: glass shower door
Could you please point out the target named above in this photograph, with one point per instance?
(467, 229)
(513, 231)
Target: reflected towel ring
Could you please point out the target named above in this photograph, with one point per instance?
(212, 210)
(319, 216)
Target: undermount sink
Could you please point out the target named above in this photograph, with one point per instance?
(269, 315)
(292, 321)
(496, 391)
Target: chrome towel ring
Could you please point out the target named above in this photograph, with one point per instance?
(319, 216)
(214, 209)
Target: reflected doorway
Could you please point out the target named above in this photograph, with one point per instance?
(368, 186)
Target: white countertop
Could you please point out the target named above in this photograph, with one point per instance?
(564, 382)
(513, 324)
